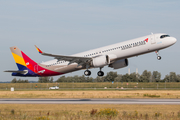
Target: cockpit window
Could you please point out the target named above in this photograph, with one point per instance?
(163, 36)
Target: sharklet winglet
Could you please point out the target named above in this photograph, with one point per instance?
(38, 50)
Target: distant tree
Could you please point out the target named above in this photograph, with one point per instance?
(68, 79)
(76, 78)
(118, 78)
(126, 78)
(19, 81)
(156, 76)
(145, 77)
(89, 79)
(86, 79)
(134, 77)
(172, 77)
(14, 80)
(178, 78)
(62, 79)
(166, 78)
(51, 80)
(99, 79)
(45, 79)
(110, 76)
(26, 81)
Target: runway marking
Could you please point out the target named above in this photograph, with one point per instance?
(90, 101)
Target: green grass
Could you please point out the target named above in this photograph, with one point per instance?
(95, 86)
(149, 95)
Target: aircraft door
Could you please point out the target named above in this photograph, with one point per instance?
(153, 40)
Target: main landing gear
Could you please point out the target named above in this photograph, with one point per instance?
(88, 73)
(158, 57)
(100, 73)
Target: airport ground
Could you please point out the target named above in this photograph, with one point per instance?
(175, 94)
(92, 85)
(89, 111)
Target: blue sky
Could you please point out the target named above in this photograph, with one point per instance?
(69, 27)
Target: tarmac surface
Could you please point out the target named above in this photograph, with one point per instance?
(92, 101)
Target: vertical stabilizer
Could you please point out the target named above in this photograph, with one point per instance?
(17, 55)
(23, 62)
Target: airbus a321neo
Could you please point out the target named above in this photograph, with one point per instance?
(115, 56)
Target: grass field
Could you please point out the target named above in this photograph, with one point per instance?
(92, 94)
(89, 112)
(94, 85)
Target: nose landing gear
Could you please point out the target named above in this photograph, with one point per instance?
(158, 57)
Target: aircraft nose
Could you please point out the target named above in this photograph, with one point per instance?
(174, 40)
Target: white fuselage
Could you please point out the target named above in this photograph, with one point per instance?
(122, 50)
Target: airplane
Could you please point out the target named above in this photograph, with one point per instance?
(114, 56)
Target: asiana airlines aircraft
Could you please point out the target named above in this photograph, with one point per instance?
(114, 56)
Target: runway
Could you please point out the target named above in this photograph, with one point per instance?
(92, 101)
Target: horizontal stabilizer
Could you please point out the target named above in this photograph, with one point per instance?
(17, 71)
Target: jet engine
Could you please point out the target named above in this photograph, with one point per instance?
(119, 64)
(101, 61)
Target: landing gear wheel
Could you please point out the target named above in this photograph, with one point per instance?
(157, 53)
(100, 73)
(159, 57)
(87, 73)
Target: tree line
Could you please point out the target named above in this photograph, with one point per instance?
(146, 76)
(19, 81)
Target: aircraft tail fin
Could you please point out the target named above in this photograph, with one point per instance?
(25, 65)
(18, 58)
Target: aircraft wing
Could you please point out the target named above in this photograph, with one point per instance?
(71, 59)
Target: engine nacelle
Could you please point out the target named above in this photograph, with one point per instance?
(119, 64)
(101, 61)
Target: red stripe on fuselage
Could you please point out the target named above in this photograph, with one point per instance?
(38, 69)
